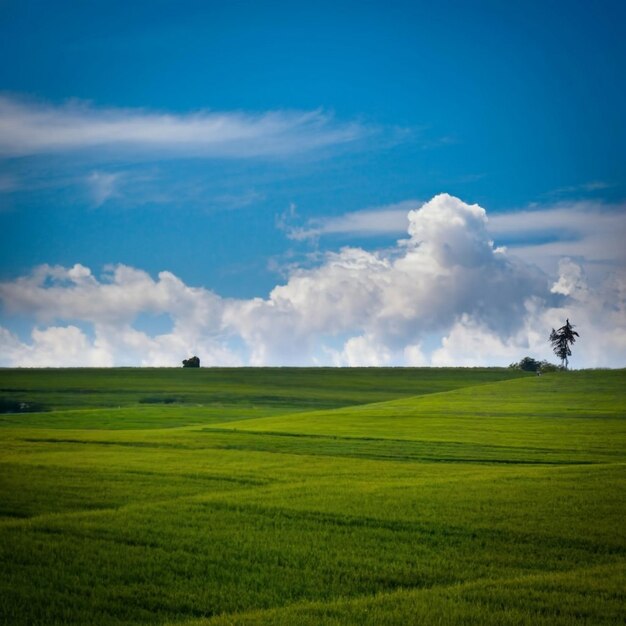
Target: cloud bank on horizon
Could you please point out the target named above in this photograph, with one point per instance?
(445, 295)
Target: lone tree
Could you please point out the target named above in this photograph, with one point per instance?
(194, 361)
(561, 340)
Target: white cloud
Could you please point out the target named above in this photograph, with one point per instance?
(362, 351)
(55, 347)
(103, 186)
(414, 356)
(571, 280)
(382, 220)
(590, 231)
(471, 345)
(446, 295)
(29, 128)
(588, 187)
(236, 201)
(53, 294)
(56, 293)
(448, 267)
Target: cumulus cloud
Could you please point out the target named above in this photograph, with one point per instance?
(362, 351)
(111, 305)
(30, 128)
(445, 295)
(571, 281)
(55, 346)
(588, 230)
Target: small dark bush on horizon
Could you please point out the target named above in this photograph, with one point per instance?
(194, 361)
(528, 364)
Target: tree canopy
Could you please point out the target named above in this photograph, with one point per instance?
(194, 361)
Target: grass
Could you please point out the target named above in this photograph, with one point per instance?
(286, 496)
(292, 388)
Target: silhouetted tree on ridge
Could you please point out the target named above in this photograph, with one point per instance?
(561, 340)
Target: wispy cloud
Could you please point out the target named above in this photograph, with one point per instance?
(582, 189)
(594, 231)
(383, 220)
(102, 186)
(31, 128)
(234, 201)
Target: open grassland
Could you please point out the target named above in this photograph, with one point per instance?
(295, 496)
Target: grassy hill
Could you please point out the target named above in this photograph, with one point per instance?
(275, 387)
(313, 496)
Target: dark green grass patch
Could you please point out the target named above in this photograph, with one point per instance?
(137, 417)
(9, 405)
(287, 388)
(36, 490)
(592, 596)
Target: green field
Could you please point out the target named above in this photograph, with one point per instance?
(312, 496)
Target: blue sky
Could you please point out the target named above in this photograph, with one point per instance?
(233, 144)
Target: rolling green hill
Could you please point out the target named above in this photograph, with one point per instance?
(275, 387)
(286, 496)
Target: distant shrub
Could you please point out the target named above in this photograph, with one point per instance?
(528, 364)
(194, 361)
